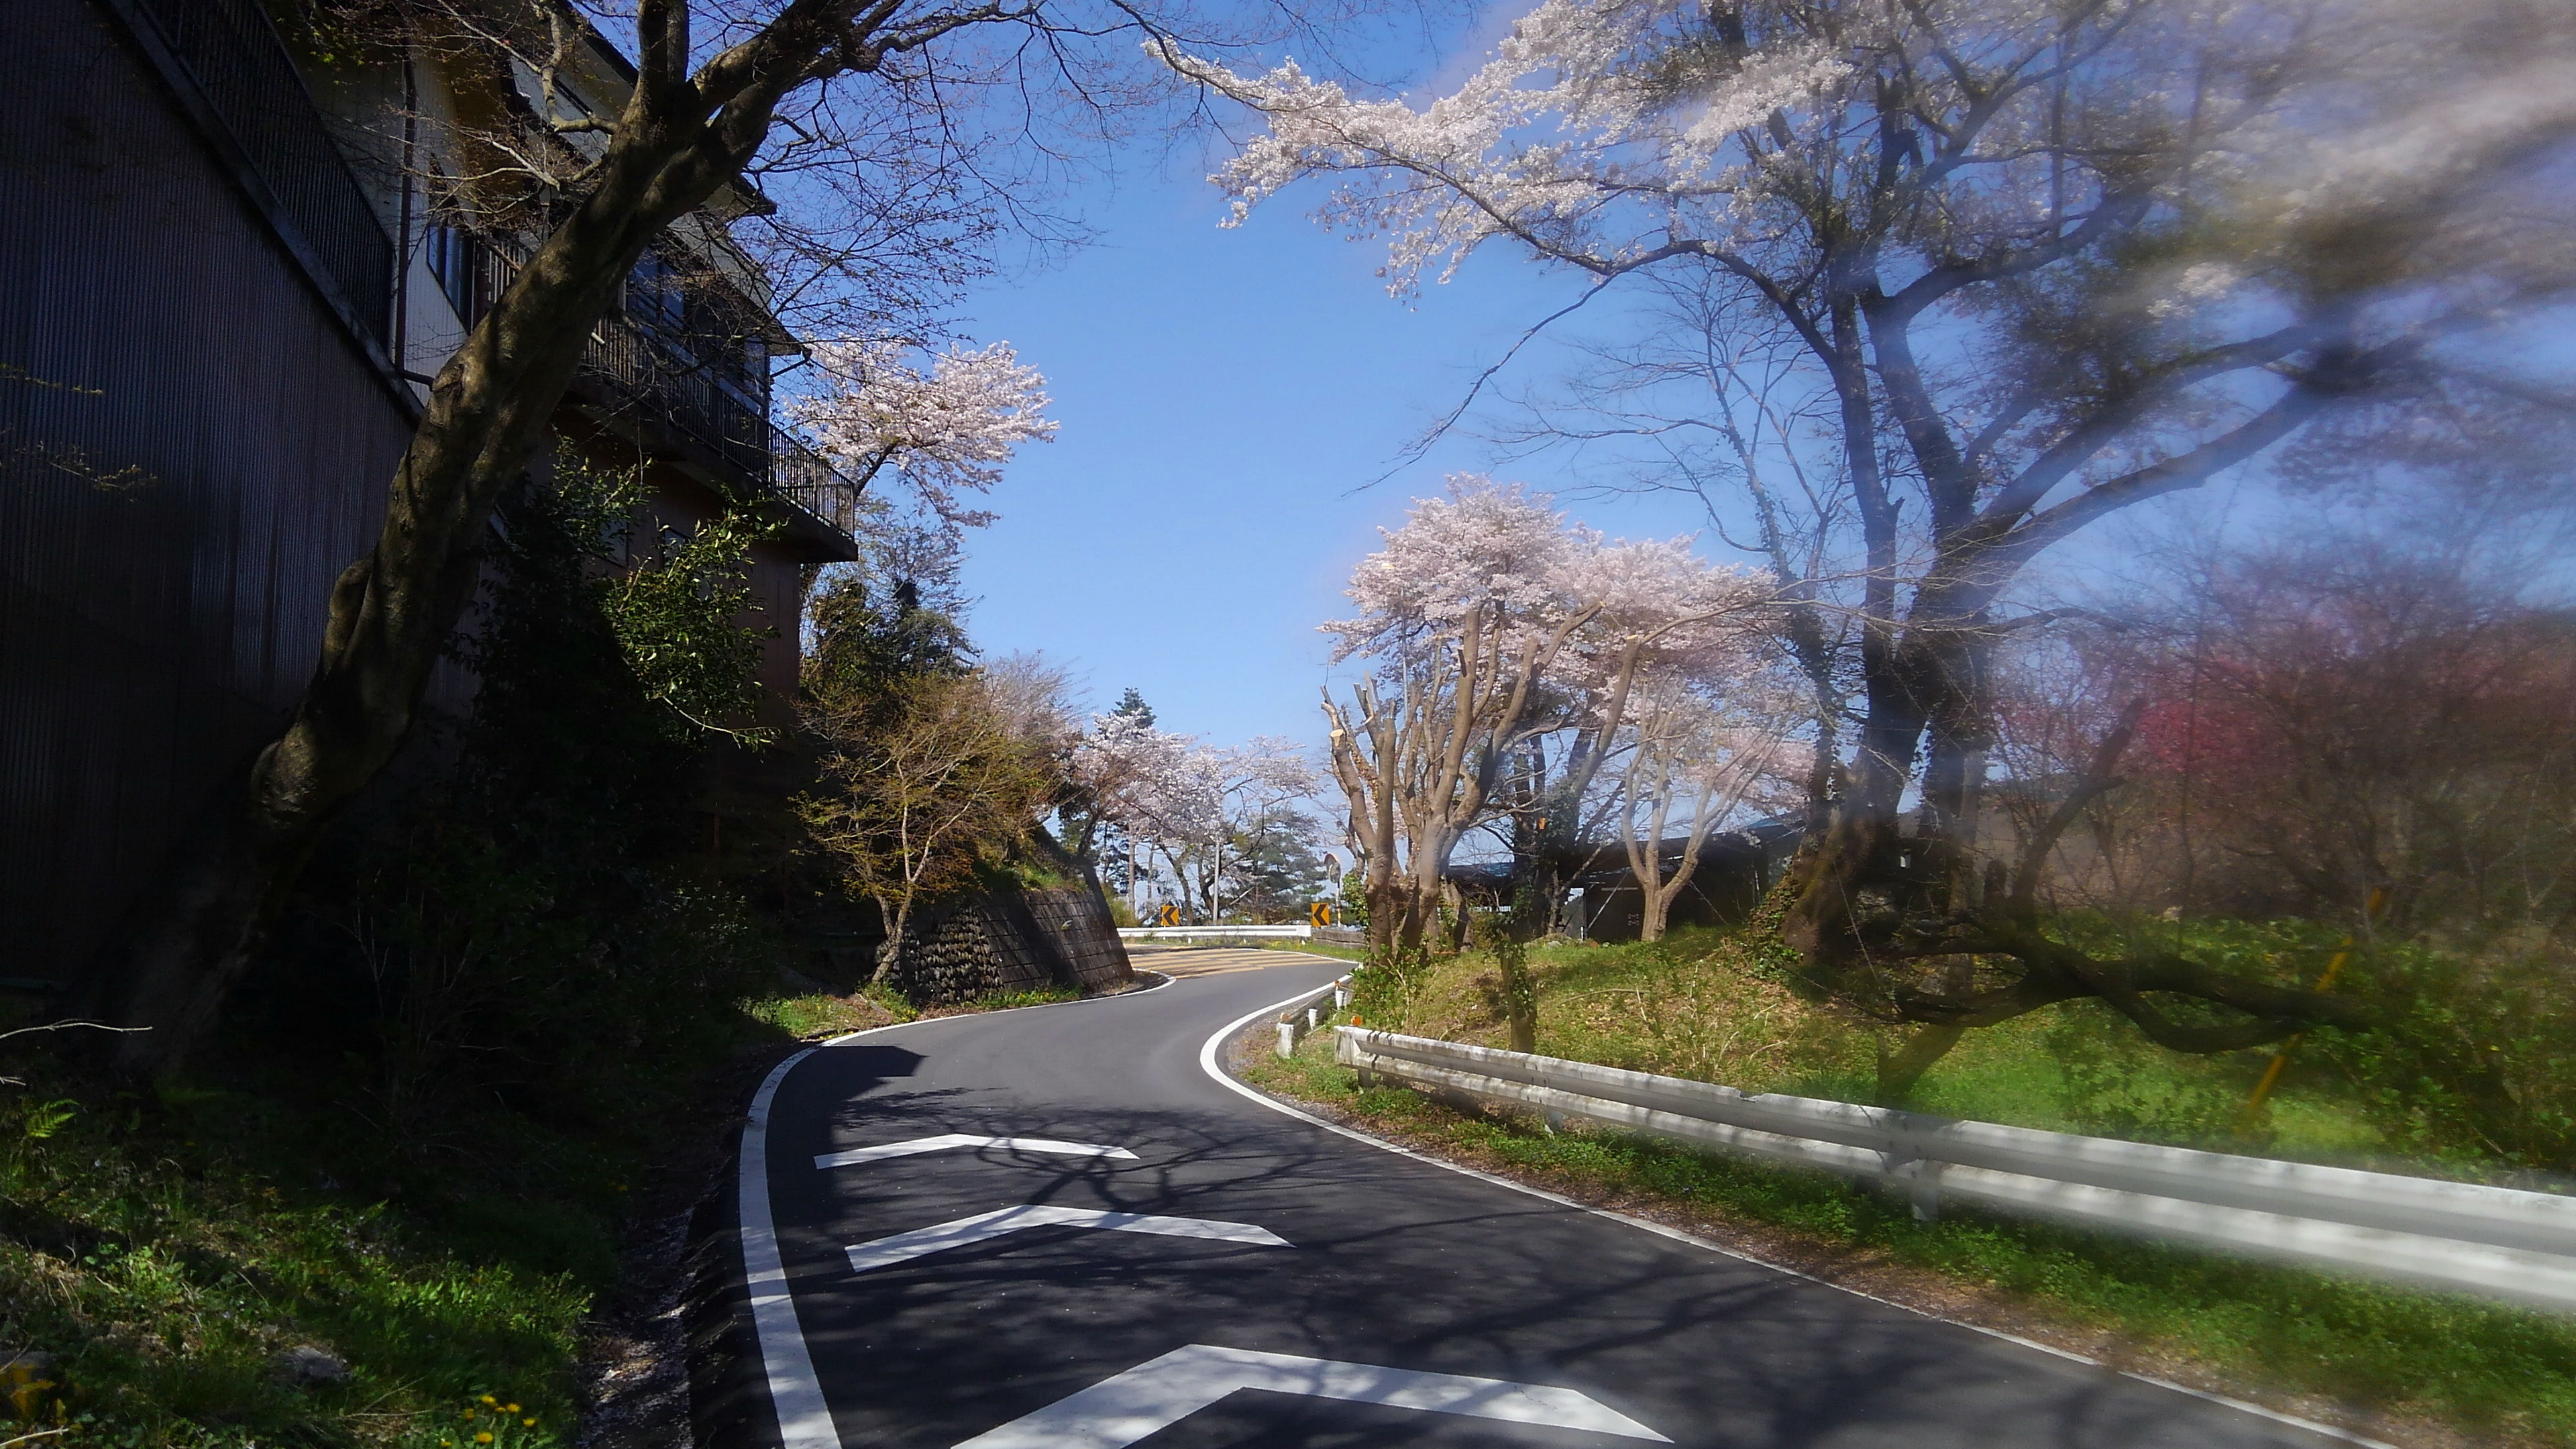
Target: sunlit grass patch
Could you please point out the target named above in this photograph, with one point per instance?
(817, 1016)
(1012, 1000)
(1333, 949)
(1705, 1005)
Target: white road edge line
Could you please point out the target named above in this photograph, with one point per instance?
(1208, 1063)
(1119, 1411)
(982, 1227)
(804, 1420)
(795, 1394)
(946, 1141)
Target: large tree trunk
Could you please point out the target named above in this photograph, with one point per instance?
(1385, 893)
(1848, 875)
(1960, 732)
(1421, 900)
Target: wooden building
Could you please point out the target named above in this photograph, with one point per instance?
(1603, 902)
(225, 282)
(1735, 869)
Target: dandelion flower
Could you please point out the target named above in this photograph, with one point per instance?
(483, 1438)
(527, 1423)
(487, 1398)
(509, 1408)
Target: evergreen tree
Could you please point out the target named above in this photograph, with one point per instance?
(1132, 706)
(1094, 837)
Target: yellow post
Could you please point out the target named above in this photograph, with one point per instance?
(2334, 968)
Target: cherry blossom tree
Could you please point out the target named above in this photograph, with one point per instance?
(1259, 786)
(1460, 619)
(945, 431)
(1662, 613)
(2039, 264)
(1184, 801)
(1143, 780)
(1706, 753)
(1488, 621)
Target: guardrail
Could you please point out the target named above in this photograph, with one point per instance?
(1216, 933)
(2502, 1242)
(1305, 1014)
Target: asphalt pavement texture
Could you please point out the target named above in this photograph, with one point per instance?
(1389, 1262)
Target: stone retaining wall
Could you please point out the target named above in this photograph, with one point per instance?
(1021, 941)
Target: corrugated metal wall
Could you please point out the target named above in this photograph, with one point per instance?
(191, 447)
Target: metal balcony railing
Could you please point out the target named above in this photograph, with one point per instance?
(645, 376)
(662, 383)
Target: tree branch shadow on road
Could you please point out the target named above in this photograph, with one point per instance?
(1394, 1262)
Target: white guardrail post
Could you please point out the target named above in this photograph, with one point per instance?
(2500, 1242)
(1302, 1015)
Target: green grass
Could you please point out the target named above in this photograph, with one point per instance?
(818, 1017)
(1318, 948)
(2499, 1374)
(1009, 1000)
(160, 1251)
(821, 1017)
(166, 1246)
(1699, 1005)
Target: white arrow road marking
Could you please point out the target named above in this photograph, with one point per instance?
(960, 1139)
(885, 1252)
(1119, 1411)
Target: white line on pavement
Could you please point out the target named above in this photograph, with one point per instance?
(1208, 1064)
(960, 1139)
(804, 1421)
(903, 1247)
(1119, 1411)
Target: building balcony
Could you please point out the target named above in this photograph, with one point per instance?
(667, 393)
(647, 386)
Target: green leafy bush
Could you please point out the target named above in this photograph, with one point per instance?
(1386, 988)
(2475, 1062)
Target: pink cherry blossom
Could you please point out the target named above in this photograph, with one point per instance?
(946, 431)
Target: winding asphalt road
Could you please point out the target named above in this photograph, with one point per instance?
(1152, 1255)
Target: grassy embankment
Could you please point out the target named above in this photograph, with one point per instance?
(165, 1247)
(2419, 1367)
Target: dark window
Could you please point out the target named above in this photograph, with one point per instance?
(456, 261)
(654, 295)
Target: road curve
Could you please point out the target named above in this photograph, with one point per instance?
(1053, 1227)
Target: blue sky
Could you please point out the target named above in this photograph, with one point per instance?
(1221, 395)
(1226, 399)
